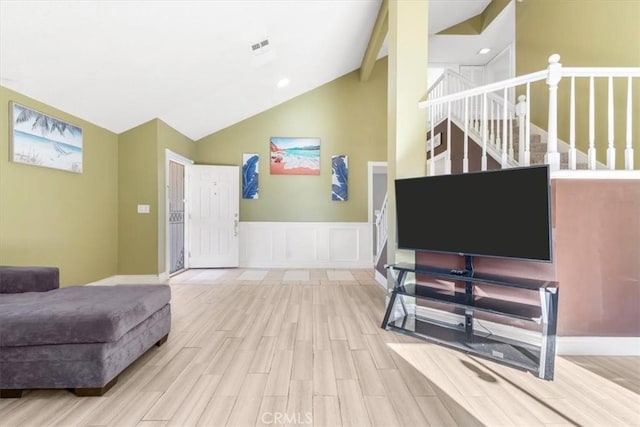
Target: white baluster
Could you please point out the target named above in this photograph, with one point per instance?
(611, 150)
(478, 112)
(572, 126)
(445, 85)
(465, 157)
(492, 137)
(485, 130)
(511, 137)
(521, 111)
(504, 130)
(552, 158)
(440, 109)
(432, 168)
(591, 152)
(498, 127)
(441, 106)
(527, 136)
(498, 141)
(434, 108)
(460, 103)
(472, 112)
(447, 164)
(628, 151)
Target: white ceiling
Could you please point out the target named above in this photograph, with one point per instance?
(118, 64)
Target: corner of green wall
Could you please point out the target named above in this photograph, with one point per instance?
(138, 184)
(56, 218)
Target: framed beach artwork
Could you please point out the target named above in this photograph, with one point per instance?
(339, 178)
(295, 156)
(42, 140)
(250, 188)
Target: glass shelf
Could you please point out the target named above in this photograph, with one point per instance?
(531, 313)
(493, 279)
(521, 355)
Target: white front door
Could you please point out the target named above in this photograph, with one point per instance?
(214, 193)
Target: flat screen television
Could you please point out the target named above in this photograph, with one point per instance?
(500, 213)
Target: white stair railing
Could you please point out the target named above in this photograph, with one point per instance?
(625, 74)
(489, 117)
(469, 113)
(381, 229)
(449, 82)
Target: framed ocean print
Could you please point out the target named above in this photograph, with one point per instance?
(250, 176)
(295, 156)
(339, 178)
(39, 139)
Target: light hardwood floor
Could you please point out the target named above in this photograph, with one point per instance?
(304, 347)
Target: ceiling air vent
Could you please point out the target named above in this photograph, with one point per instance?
(260, 47)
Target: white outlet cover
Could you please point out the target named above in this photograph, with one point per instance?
(143, 209)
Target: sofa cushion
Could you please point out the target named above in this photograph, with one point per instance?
(28, 279)
(78, 314)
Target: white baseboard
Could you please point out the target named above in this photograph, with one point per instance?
(133, 279)
(381, 279)
(598, 346)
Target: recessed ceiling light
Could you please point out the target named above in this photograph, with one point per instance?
(283, 82)
(484, 51)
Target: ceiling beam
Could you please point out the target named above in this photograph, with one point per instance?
(379, 32)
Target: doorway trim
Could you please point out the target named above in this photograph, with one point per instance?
(171, 156)
(371, 170)
(371, 167)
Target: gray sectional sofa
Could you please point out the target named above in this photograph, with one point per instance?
(77, 338)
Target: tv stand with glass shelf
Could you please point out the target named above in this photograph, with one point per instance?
(452, 320)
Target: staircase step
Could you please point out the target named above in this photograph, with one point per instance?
(537, 157)
(534, 147)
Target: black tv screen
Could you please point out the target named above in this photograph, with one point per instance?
(499, 213)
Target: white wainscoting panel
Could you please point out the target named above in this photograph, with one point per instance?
(343, 244)
(301, 243)
(261, 246)
(305, 245)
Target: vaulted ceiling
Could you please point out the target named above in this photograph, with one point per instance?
(118, 64)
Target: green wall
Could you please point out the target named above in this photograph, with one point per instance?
(350, 118)
(586, 33)
(142, 181)
(87, 224)
(55, 218)
(138, 184)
